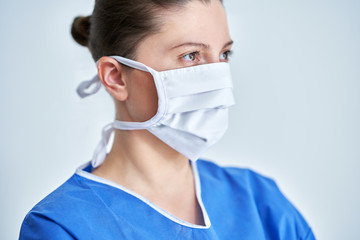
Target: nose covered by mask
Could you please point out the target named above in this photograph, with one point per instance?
(192, 110)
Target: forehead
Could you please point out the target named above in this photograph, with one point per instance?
(196, 21)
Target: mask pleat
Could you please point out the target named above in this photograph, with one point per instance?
(213, 99)
(195, 80)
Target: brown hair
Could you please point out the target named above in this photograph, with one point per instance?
(117, 26)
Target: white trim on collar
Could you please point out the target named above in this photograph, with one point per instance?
(171, 217)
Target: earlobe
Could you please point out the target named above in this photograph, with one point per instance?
(111, 74)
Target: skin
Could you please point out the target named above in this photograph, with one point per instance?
(139, 161)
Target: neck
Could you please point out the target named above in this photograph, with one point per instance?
(139, 160)
(144, 164)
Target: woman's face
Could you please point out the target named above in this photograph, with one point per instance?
(196, 34)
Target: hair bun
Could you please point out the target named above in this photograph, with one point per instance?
(80, 30)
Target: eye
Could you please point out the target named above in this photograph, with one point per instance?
(225, 56)
(192, 57)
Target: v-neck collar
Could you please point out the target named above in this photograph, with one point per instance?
(85, 171)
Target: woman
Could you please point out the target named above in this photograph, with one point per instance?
(165, 64)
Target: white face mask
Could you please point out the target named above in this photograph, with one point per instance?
(192, 110)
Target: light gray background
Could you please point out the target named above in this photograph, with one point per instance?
(296, 74)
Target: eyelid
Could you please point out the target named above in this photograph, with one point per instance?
(230, 51)
(190, 52)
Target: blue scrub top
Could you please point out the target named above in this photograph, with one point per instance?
(236, 204)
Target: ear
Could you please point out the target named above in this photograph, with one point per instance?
(112, 76)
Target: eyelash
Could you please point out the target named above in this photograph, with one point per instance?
(228, 54)
(196, 54)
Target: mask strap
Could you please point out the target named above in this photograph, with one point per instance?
(100, 151)
(133, 64)
(85, 85)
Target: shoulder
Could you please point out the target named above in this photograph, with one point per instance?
(60, 211)
(259, 188)
(262, 197)
(37, 226)
(238, 176)
(65, 198)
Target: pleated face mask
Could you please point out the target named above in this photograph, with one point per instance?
(192, 110)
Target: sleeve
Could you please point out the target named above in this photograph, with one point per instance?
(279, 216)
(309, 236)
(40, 227)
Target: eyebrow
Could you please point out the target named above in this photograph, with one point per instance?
(228, 44)
(201, 45)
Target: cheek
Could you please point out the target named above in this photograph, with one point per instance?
(142, 101)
